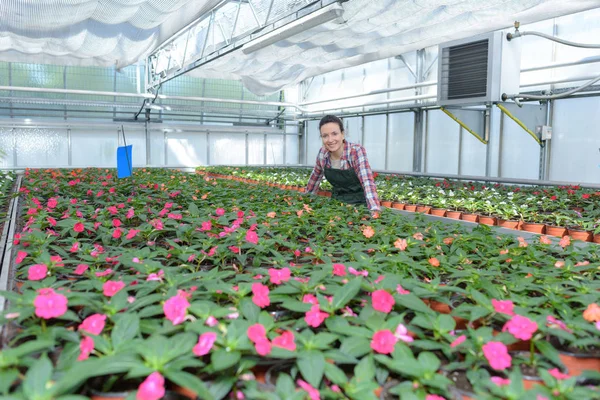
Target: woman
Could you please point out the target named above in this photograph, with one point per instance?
(345, 166)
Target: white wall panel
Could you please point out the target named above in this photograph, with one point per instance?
(157, 147)
(354, 129)
(275, 149)
(313, 142)
(136, 138)
(291, 149)
(227, 148)
(401, 141)
(472, 151)
(186, 149)
(575, 143)
(256, 149)
(442, 141)
(375, 128)
(519, 152)
(7, 146)
(41, 147)
(94, 148)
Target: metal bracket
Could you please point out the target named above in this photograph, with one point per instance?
(519, 122)
(464, 126)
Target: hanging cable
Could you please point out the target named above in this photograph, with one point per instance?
(144, 103)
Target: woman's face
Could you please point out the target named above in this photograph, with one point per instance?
(332, 137)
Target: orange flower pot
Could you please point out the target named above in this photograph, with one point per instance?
(410, 207)
(533, 227)
(386, 203)
(398, 206)
(556, 230)
(453, 214)
(470, 217)
(584, 236)
(508, 224)
(486, 220)
(423, 209)
(438, 212)
(577, 363)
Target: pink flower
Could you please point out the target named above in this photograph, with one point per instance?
(93, 324)
(400, 244)
(297, 253)
(339, 270)
(220, 212)
(156, 276)
(110, 288)
(52, 202)
(522, 242)
(153, 388)
(211, 321)
(205, 343)
(206, 226)
(57, 260)
(498, 381)
(434, 397)
(402, 334)
(545, 240)
(520, 327)
(175, 309)
(49, 304)
(278, 276)
(458, 341)
(503, 306)
(315, 316)
(497, 355)
(157, 224)
(116, 223)
(382, 301)
(86, 346)
(383, 341)
(251, 237)
(21, 255)
(130, 213)
(556, 323)
(309, 298)
(74, 248)
(358, 273)
(51, 221)
(312, 392)
(565, 241)
(81, 268)
(285, 341)
(348, 312)
(559, 264)
(401, 290)
(132, 233)
(104, 273)
(78, 227)
(261, 295)
(379, 279)
(418, 236)
(37, 272)
(256, 332)
(117, 233)
(557, 374)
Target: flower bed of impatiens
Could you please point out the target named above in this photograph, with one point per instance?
(179, 283)
(555, 210)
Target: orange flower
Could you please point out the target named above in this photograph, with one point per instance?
(565, 241)
(545, 240)
(592, 313)
(448, 240)
(299, 212)
(504, 251)
(522, 242)
(368, 232)
(418, 236)
(271, 214)
(204, 196)
(400, 244)
(434, 262)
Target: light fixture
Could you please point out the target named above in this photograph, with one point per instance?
(309, 21)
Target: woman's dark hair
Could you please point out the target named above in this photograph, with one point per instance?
(331, 119)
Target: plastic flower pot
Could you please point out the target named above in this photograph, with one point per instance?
(533, 227)
(398, 206)
(487, 220)
(423, 209)
(508, 223)
(386, 203)
(597, 238)
(559, 231)
(470, 217)
(410, 207)
(438, 212)
(576, 363)
(454, 214)
(577, 234)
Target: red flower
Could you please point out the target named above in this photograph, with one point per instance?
(278, 276)
(49, 304)
(383, 341)
(585, 196)
(434, 262)
(21, 255)
(285, 341)
(251, 237)
(382, 301)
(52, 202)
(261, 295)
(93, 324)
(110, 288)
(81, 268)
(339, 270)
(78, 227)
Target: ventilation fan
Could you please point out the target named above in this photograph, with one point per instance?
(478, 69)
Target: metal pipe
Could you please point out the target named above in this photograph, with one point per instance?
(587, 60)
(373, 92)
(518, 33)
(379, 102)
(563, 80)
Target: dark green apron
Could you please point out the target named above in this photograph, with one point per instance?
(346, 186)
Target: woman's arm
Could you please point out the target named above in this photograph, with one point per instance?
(314, 182)
(365, 175)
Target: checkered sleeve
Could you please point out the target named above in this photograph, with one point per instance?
(365, 175)
(314, 182)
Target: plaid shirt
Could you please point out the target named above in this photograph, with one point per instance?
(355, 156)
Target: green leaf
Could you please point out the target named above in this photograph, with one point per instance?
(480, 298)
(249, 310)
(344, 294)
(222, 359)
(365, 370)
(126, 328)
(445, 323)
(222, 386)
(189, 381)
(429, 361)
(37, 378)
(296, 306)
(355, 346)
(412, 302)
(193, 210)
(285, 386)
(323, 340)
(7, 377)
(335, 374)
(549, 352)
(312, 366)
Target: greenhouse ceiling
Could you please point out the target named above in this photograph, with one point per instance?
(267, 44)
